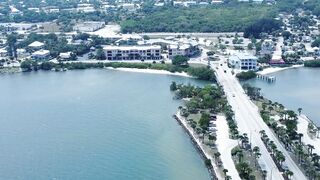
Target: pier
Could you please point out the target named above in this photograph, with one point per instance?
(270, 79)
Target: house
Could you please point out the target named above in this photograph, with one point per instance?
(216, 2)
(3, 52)
(159, 4)
(22, 53)
(243, 61)
(37, 10)
(267, 47)
(189, 3)
(41, 55)
(130, 7)
(36, 45)
(65, 56)
(133, 52)
(177, 3)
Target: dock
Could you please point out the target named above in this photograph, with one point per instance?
(269, 79)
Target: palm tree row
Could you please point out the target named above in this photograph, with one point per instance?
(277, 155)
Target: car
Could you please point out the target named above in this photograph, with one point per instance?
(220, 64)
(233, 95)
(225, 71)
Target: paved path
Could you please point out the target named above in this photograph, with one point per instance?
(225, 145)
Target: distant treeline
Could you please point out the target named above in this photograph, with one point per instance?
(202, 73)
(312, 63)
(234, 18)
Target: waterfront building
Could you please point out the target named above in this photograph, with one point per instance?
(243, 61)
(133, 52)
(184, 50)
(41, 55)
(65, 56)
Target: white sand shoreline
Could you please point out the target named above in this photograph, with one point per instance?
(271, 70)
(151, 71)
(302, 127)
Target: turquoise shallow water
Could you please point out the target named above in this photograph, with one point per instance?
(93, 124)
(295, 88)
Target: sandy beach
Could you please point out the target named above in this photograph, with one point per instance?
(151, 71)
(302, 126)
(271, 70)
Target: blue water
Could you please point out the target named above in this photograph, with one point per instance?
(93, 124)
(295, 88)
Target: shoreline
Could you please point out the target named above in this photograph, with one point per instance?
(271, 70)
(151, 71)
(198, 145)
(302, 127)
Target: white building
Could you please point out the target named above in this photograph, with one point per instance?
(243, 61)
(133, 52)
(89, 26)
(41, 55)
(65, 55)
(184, 49)
(36, 45)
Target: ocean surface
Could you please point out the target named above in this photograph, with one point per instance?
(94, 124)
(295, 88)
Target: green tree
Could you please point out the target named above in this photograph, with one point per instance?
(100, 55)
(180, 60)
(26, 65)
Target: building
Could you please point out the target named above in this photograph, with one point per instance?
(184, 49)
(65, 56)
(267, 47)
(133, 52)
(36, 45)
(243, 61)
(41, 55)
(3, 52)
(89, 26)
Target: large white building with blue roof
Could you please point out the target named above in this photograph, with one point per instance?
(243, 61)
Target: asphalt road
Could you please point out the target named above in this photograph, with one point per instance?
(250, 122)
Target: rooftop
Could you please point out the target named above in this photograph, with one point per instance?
(243, 56)
(128, 48)
(41, 52)
(36, 44)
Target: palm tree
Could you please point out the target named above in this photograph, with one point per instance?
(300, 135)
(280, 157)
(225, 172)
(299, 111)
(289, 174)
(203, 134)
(244, 170)
(244, 139)
(240, 156)
(264, 174)
(310, 148)
(257, 154)
(212, 138)
(216, 156)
